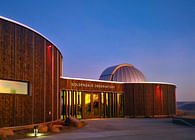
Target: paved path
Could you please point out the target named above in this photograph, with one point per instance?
(125, 129)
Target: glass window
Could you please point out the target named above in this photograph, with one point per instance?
(13, 87)
(120, 104)
(96, 104)
(102, 105)
(87, 105)
(63, 105)
(75, 103)
(70, 103)
(112, 104)
(107, 105)
(79, 111)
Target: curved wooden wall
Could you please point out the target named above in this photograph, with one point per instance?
(149, 100)
(27, 56)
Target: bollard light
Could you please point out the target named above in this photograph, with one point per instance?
(35, 130)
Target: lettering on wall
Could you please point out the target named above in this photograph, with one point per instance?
(92, 85)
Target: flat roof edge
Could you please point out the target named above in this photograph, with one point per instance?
(91, 80)
(117, 82)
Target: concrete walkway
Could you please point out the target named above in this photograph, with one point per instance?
(125, 129)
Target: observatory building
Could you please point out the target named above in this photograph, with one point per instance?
(123, 73)
(33, 89)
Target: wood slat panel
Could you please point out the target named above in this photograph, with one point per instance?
(24, 68)
(38, 79)
(149, 101)
(6, 110)
(55, 85)
(139, 100)
(7, 56)
(48, 82)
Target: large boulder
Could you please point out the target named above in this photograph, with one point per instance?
(43, 128)
(55, 129)
(58, 126)
(75, 122)
(5, 133)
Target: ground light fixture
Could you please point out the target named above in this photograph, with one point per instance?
(36, 130)
(36, 133)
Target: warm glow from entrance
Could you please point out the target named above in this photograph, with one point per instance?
(87, 98)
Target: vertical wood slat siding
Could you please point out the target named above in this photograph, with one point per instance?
(170, 98)
(143, 100)
(6, 110)
(164, 92)
(38, 79)
(57, 82)
(7, 59)
(149, 100)
(139, 100)
(23, 68)
(22, 58)
(174, 101)
(48, 82)
(45, 78)
(7, 56)
(54, 85)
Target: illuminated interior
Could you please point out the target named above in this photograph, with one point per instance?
(94, 105)
(88, 105)
(79, 109)
(13, 87)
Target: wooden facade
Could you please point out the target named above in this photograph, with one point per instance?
(25, 55)
(107, 96)
(149, 99)
(140, 99)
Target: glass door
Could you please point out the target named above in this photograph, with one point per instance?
(88, 110)
(96, 105)
(92, 105)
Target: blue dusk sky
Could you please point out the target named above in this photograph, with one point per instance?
(156, 36)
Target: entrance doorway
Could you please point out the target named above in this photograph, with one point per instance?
(92, 105)
(82, 104)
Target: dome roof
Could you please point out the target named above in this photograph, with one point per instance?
(122, 73)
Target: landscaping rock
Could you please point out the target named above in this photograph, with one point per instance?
(75, 122)
(43, 129)
(5, 133)
(55, 130)
(58, 126)
(40, 126)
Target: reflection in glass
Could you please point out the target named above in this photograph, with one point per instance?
(107, 107)
(63, 105)
(87, 105)
(114, 104)
(102, 105)
(70, 102)
(96, 104)
(79, 110)
(13, 87)
(120, 104)
(74, 106)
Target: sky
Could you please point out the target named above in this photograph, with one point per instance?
(156, 36)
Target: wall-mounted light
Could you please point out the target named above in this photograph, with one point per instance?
(49, 46)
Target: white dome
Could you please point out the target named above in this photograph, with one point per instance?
(123, 73)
